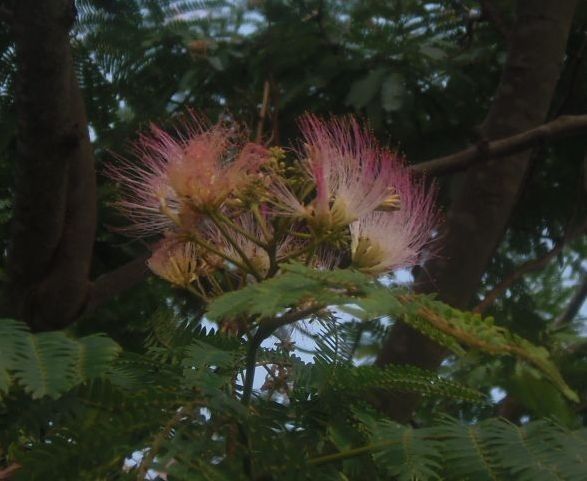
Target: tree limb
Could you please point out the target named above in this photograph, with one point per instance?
(563, 126)
(574, 305)
(525, 268)
(10, 471)
(113, 283)
(510, 408)
(481, 210)
(529, 266)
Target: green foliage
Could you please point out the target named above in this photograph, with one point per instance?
(362, 296)
(362, 379)
(178, 403)
(489, 451)
(49, 364)
(298, 285)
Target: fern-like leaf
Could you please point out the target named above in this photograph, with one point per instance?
(50, 363)
(363, 297)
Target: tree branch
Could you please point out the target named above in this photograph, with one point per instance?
(510, 408)
(481, 209)
(563, 126)
(529, 266)
(109, 285)
(574, 305)
(10, 471)
(525, 268)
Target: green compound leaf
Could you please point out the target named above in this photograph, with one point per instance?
(361, 379)
(365, 298)
(51, 363)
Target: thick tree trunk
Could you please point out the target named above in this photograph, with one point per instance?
(479, 214)
(55, 205)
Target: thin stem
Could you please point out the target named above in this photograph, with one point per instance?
(259, 218)
(369, 448)
(218, 217)
(251, 364)
(270, 325)
(264, 366)
(263, 112)
(215, 284)
(267, 328)
(312, 245)
(299, 252)
(228, 237)
(218, 252)
(273, 264)
(308, 248)
(351, 453)
(197, 292)
(303, 235)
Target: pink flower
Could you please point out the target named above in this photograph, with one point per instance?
(180, 263)
(386, 240)
(351, 173)
(183, 176)
(147, 200)
(206, 176)
(247, 241)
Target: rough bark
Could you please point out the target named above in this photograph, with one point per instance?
(480, 212)
(55, 203)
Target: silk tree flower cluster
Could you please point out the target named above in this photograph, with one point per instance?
(231, 211)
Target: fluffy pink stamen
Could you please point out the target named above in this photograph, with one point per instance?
(398, 239)
(180, 176)
(352, 174)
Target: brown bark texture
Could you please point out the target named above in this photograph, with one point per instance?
(55, 204)
(480, 212)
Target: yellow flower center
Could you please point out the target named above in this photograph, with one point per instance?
(366, 254)
(390, 203)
